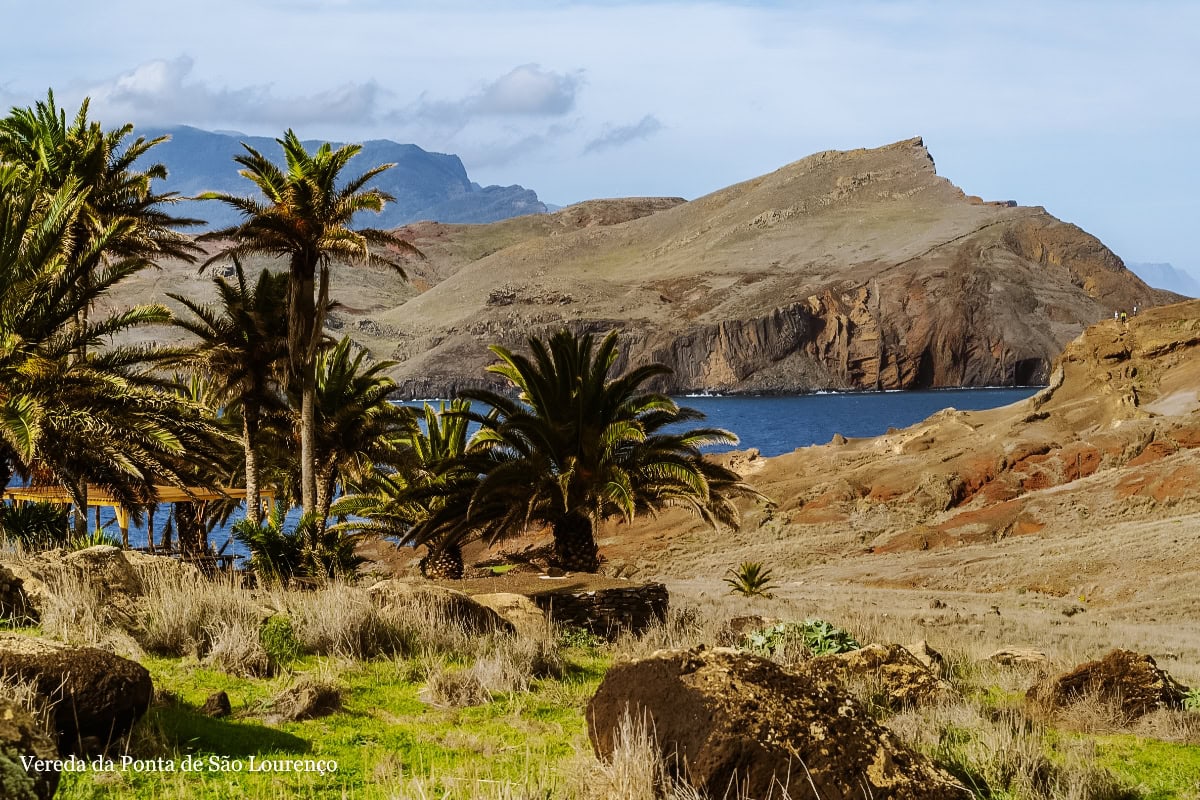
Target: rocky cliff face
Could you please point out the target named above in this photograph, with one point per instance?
(848, 270)
(861, 270)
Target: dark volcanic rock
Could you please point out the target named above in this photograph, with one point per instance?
(96, 696)
(607, 612)
(742, 722)
(21, 735)
(1131, 680)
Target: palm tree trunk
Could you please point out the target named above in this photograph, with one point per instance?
(189, 528)
(302, 349)
(80, 496)
(326, 484)
(574, 545)
(250, 438)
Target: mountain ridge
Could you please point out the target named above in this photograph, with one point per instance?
(426, 185)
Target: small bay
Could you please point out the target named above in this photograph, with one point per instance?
(772, 424)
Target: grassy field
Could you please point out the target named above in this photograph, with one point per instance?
(432, 709)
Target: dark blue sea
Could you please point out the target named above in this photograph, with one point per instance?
(772, 424)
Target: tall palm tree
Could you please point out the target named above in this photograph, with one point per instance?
(394, 503)
(358, 429)
(120, 189)
(304, 215)
(242, 348)
(120, 217)
(72, 409)
(577, 447)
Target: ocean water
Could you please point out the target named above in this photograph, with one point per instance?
(779, 424)
(772, 424)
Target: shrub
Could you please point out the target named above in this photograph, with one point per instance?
(277, 554)
(816, 636)
(750, 579)
(279, 640)
(36, 526)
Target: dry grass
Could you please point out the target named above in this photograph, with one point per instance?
(25, 694)
(636, 770)
(502, 665)
(995, 751)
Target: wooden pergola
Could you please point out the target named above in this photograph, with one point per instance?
(99, 498)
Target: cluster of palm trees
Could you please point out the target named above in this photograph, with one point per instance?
(263, 395)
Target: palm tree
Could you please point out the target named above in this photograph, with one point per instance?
(358, 429)
(242, 347)
(577, 447)
(119, 191)
(74, 411)
(304, 215)
(394, 503)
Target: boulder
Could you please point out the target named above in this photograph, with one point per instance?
(21, 735)
(15, 605)
(164, 569)
(903, 680)
(108, 567)
(457, 606)
(1130, 680)
(95, 696)
(522, 613)
(1019, 657)
(932, 659)
(305, 701)
(217, 705)
(728, 722)
(102, 568)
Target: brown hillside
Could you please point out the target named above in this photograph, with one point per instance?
(849, 269)
(855, 269)
(1091, 487)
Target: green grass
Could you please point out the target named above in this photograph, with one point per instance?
(1160, 770)
(384, 736)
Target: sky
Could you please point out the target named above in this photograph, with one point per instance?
(1091, 109)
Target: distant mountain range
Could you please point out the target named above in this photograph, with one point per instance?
(427, 186)
(1165, 276)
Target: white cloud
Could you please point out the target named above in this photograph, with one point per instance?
(620, 135)
(163, 92)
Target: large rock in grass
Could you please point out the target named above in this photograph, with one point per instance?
(727, 721)
(102, 570)
(1130, 680)
(522, 613)
(438, 601)
(15, 605)
(21, 735)
(95, 696)
(898, 678)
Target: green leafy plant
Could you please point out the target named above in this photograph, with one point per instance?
(750, 579)
(816, 636)
(96, 537)
(572, 636)
(278, 638)
(308, 549)
(1191, 700)
(37, 526)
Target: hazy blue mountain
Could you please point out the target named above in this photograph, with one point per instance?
(1165, 276)
(426, 185)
